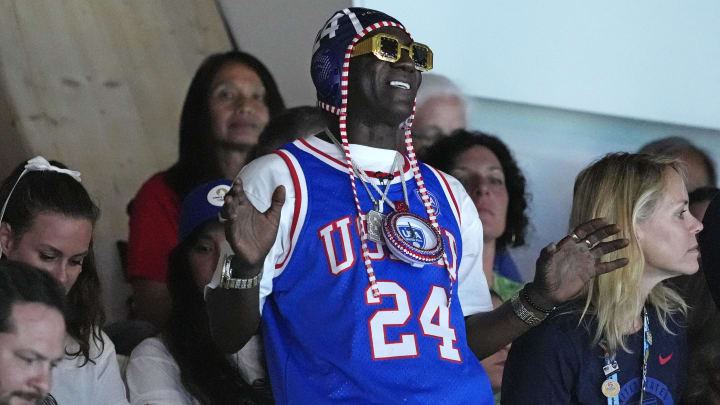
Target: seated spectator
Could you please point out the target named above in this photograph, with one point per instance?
(32, 332)
(48, 222)
(492, 178)
(702, 313)
(710, 254)
(183, 365)
(291, 124)
(623, 339)
(703, 375)
(700, 167)
(703, 316)
(230, 100)
(439, 110)
(704, 368)
(700, 200)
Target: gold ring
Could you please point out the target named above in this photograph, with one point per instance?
(588, 243)
(574, 237)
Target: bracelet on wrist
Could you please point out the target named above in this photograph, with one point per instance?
(523, 313)
(526, 297)
(229, 282)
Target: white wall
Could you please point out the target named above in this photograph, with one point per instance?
(281, 34)
(649, 59)
(99, 85)
(654, 61)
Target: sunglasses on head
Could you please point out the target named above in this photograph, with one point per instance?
(388, 48)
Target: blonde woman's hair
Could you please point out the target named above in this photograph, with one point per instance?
(624, 189)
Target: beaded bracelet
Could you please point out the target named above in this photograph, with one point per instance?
(521, 312)
(527, 299)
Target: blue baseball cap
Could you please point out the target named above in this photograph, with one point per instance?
(202, 205)
(331, 53)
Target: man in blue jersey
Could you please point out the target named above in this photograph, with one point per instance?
(367, 263)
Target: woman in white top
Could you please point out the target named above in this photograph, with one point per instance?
(184, 366)
(47, 220)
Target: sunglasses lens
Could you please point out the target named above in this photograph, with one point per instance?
(420, 56)
(389, 48)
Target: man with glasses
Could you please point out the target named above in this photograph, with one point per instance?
(32, 332)
(367, 262)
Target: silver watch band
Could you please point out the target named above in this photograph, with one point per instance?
(227, 281)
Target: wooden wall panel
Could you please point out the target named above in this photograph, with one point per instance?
(99, 85)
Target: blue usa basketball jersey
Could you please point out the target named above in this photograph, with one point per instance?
(328, 339)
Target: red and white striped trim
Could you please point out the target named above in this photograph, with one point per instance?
(335, 163)
(442, 179)
(300, 208)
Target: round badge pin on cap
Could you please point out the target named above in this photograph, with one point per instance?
(216, 195)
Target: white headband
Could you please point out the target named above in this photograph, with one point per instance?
(36, 164)
(40, 164)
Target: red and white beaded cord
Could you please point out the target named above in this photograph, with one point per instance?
(342, 113)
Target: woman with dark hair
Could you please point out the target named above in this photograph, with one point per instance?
(47, 221)
(230, 100)
(492, 178)
(183, 365)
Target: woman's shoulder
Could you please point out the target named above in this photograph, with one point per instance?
(152, 347)
(565, 325)
(156, 182)
(101, 349)
(88, 382)
(155, 196)
(155, 185)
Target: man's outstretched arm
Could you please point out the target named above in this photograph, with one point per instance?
(562, 271)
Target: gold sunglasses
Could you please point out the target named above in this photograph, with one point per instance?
(388, 48)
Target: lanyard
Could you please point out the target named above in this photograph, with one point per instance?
(377, 225)
(378, 204)
(610, 387)
(396, 167)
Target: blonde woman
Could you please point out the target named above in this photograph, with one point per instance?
(622, 340)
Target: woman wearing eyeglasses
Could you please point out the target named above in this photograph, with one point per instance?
(622, 340)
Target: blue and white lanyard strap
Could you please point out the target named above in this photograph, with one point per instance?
(647, 342)
(611, 368)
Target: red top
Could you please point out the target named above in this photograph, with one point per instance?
(154, 219)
